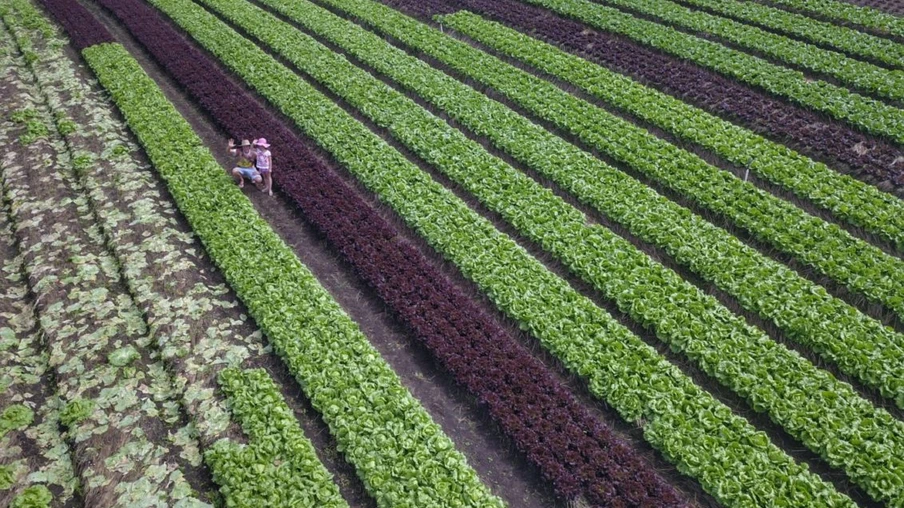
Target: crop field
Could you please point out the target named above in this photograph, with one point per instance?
(519, 253)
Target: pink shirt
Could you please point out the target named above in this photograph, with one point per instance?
(262, 160)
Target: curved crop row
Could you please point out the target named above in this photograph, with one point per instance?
(854, 73)
(575, 452)
(802, 309)
(826, 247)
(357, 393)
(850, 200)
(113, 390)
(846, 12)
(872, 160)
(465, 161)
(845, 39)
(871, 115)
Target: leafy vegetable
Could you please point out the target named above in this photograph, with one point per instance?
(519, 391)
(358, 395)
(36, 496)
(76, 411)
(280, 464)
(123, 356)
(868, 114)
(618, 365)
(14, 417)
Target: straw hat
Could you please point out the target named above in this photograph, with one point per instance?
(262, 142)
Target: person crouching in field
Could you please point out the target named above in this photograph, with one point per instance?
(244, 166)
(263, 161)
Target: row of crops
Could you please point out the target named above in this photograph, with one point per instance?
(676, 202)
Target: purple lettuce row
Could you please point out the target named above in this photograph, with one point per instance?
(576, 452)
(868, 158)
(84, 31)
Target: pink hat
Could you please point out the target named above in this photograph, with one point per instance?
(262, 142)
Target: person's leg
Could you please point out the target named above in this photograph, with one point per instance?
(268, 182)
(237, 176)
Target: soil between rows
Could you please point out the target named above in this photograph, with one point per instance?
(759, 420)
(495, 460)
(345, 287)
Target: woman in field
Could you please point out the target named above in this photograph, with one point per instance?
(264, 163)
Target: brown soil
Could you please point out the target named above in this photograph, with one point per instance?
(627, 431)
(474, 435)
(495, 460)
(874, 309)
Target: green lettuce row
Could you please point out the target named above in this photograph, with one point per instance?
(378, 425)
(868, 114)
(591, 343)
(846, 12)
(279, 464)
(849, 199)
(862, 346)
(845, 39)
(803, 309)
(855, 73)
(826, 247)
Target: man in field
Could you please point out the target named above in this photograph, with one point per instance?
(244, 166)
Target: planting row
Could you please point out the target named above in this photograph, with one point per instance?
(117, 405)
(865, 113)
(826, 247)
(845, 39)
(848, 13)
(848, 199)
(520, 395)
(759, 283)
(197, 323)
(428, 208)
(866, 158)
(83, 29)
(379, 426)
(196, 328)
(35, 458)
(657, 298)
(854, 73)
(279, 466)
(803, 309)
